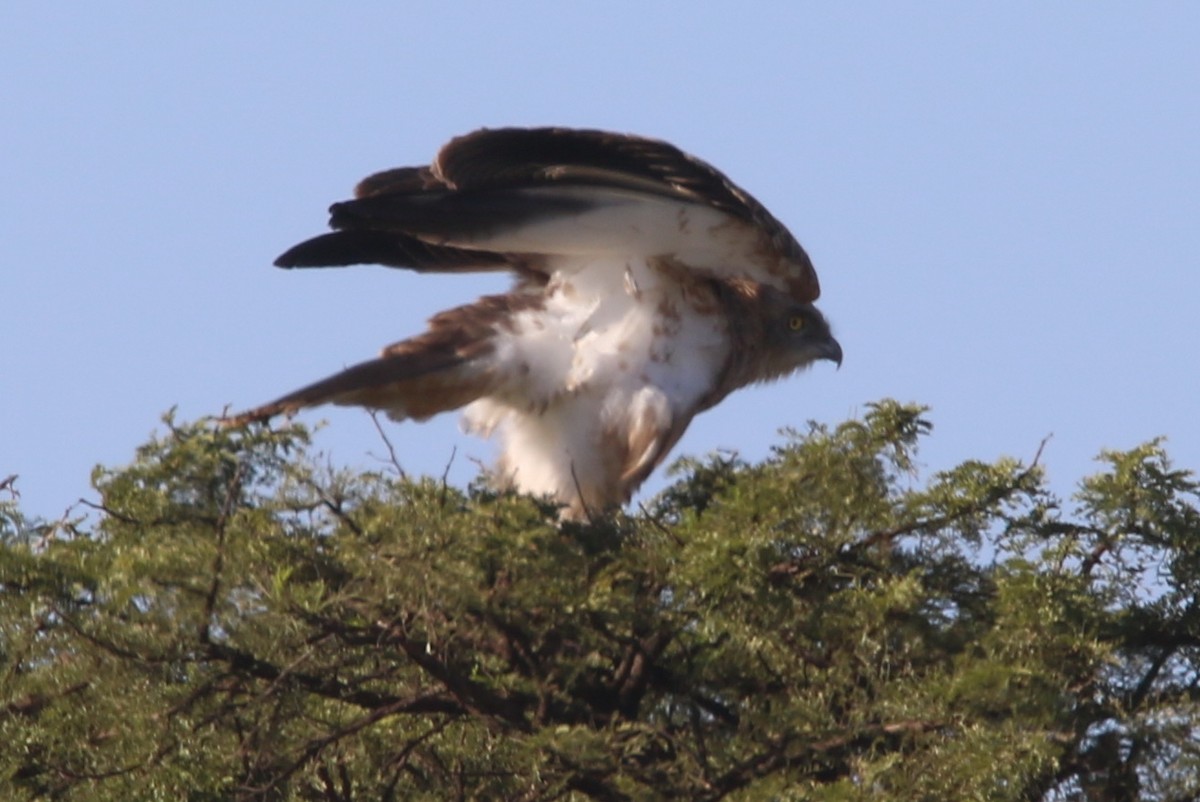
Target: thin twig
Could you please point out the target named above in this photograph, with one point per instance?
(1037, 457)
(318, 745)
(582, 501)
(109, 511)
(446, 477)
(392, 458)
(659, 525)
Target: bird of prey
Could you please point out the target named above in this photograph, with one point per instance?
(648, 286)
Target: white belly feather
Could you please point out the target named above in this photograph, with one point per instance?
(609, 352)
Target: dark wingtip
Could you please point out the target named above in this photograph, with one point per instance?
(301, 257)
(287, 259)
(334, 249)
(388, 248)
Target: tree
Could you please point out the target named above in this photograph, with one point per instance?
(235, 622)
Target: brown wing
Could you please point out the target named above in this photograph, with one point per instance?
(505, 157)
(443, 369)
(409, 386)
(470, 209)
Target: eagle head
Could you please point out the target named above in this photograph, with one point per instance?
(795, 335)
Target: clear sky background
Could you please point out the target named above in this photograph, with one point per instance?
(1002, 200)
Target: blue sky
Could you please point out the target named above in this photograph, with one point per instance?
(1002, 201)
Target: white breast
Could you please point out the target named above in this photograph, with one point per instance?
(610, 342)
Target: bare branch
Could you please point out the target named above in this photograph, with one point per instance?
(392, 458)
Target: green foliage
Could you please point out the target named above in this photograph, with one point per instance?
(236, 622)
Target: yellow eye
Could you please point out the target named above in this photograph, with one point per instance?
(796, 323)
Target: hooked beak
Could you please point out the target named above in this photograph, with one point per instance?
(831, 349)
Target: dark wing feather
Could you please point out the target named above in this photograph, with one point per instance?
(440, 370)
(495, 180)
(366, 246)
(400, 180)
(359, 242)
(394, 383)
(450, 214)
(506, 157)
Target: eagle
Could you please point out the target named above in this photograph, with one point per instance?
(647, 288)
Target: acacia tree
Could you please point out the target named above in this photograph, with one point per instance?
(234, 622)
